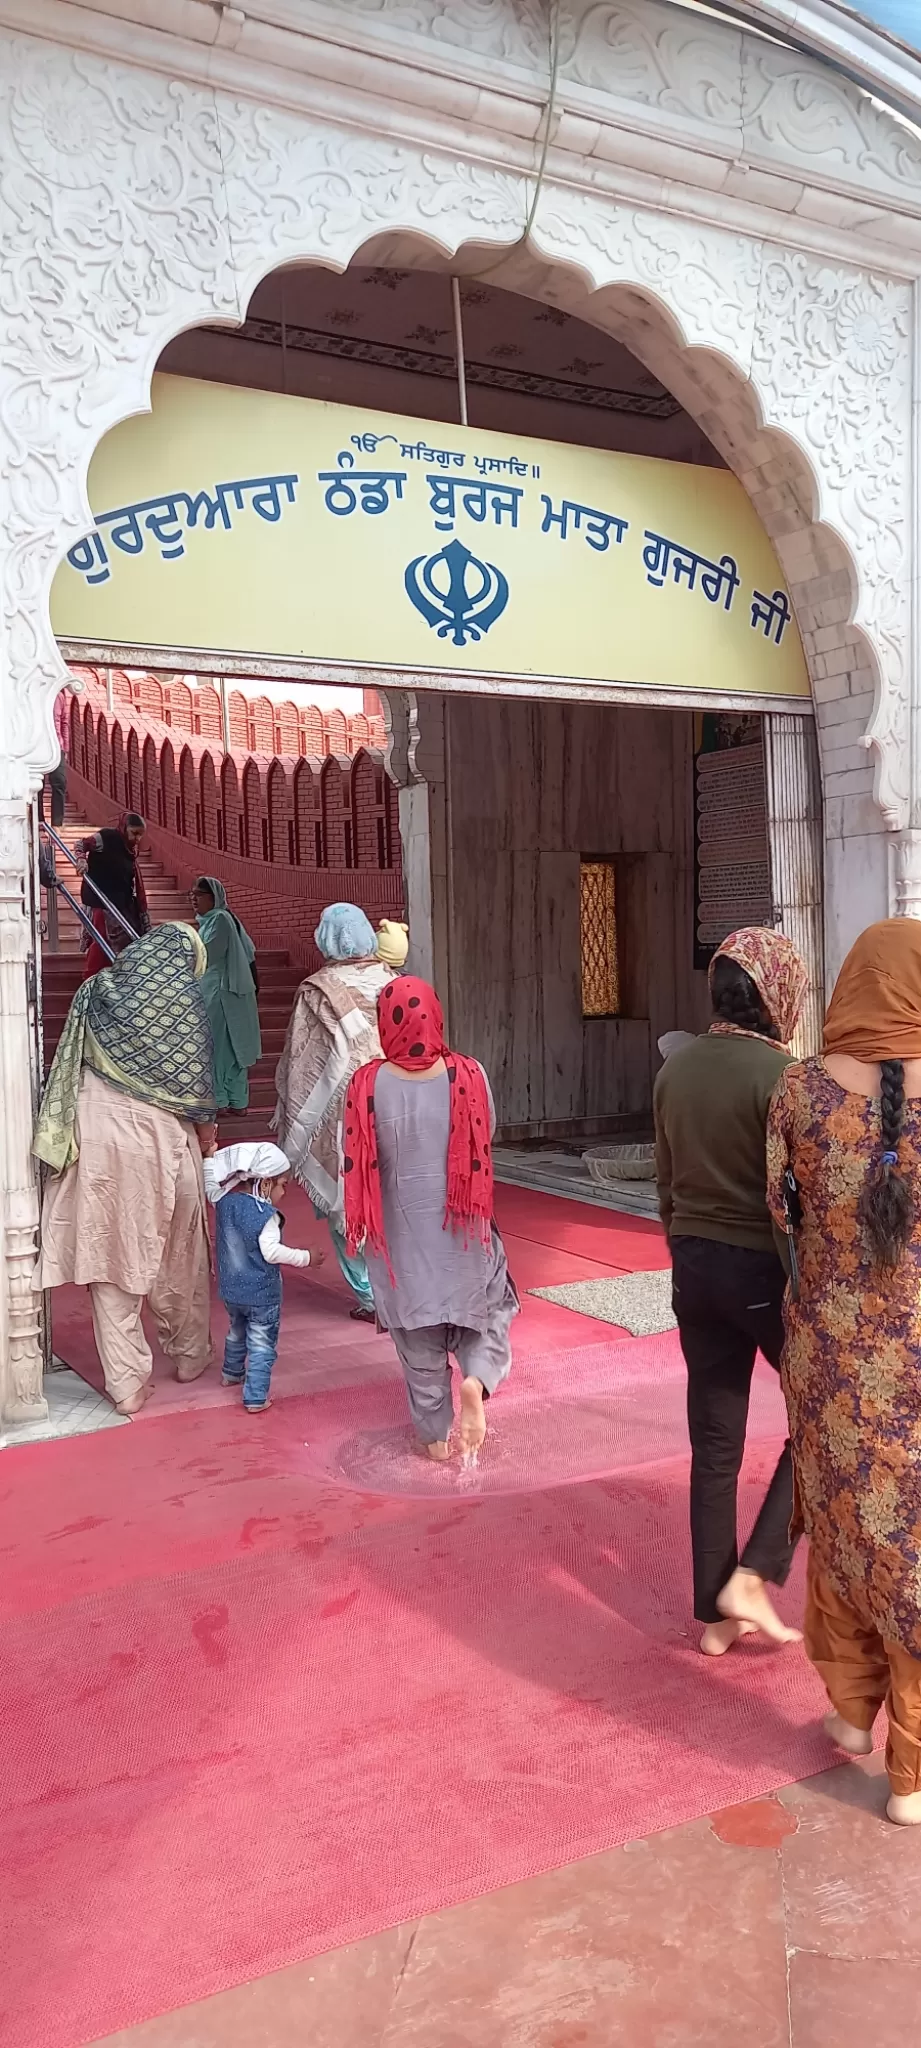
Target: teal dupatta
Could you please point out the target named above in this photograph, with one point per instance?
(228, 986)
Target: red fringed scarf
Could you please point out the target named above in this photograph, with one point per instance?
(411, 1024)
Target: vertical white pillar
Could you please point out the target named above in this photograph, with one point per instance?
(795, 840)
(225, 713)
(416, 763)
(21, 1397)
(905, 860)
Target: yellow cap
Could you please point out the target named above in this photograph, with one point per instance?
(392, 943)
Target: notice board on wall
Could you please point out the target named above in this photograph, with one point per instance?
(732, 866)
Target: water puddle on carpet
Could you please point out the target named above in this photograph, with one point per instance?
(525, 1450)
(561, 1420)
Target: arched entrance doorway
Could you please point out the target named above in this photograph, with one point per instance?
(572, 611)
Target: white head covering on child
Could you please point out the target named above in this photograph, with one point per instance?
(238, 1163)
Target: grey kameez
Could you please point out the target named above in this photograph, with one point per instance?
(448, 1294)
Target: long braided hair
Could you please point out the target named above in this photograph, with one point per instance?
(736, 999)
(886, 1208)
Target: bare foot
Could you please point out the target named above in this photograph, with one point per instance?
(135, 1402)
(719, 1636)
(191, 1369)
(905, 1809)
(439, 1451)
(257, 1407)
(856, 1741)
(472, 1416)
(744, 1598)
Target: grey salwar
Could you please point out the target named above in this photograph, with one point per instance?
(425, 1356)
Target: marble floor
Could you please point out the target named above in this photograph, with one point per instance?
(74, 1409)
(789, 1922)
(553, 1172)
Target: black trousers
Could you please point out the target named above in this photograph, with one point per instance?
(57, 783)
(728, 1302)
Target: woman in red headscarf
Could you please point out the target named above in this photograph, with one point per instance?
(417, 1159)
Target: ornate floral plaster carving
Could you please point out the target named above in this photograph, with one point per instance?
(831, 125)
(515, 30)
(831, 367)
(827, 352)
(707, 280)
(767, 105)
(115, 231)
(656, 57)
(906, 873)
(297, 190)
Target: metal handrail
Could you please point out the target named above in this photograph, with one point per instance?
(85, 919)
(102, 899)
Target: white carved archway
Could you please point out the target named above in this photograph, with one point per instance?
(139, 205)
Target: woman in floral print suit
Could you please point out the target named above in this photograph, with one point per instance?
(848, 1126)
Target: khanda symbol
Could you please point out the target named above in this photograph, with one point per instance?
(456, 593)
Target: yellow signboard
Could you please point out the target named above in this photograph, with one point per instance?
(244, 523)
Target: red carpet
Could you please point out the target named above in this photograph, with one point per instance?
(580, 1227)
(260, 1699)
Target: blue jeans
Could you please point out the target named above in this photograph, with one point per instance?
(250, 1350)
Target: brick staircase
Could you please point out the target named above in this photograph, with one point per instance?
(62, 972)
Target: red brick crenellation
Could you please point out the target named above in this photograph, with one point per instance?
(257, 725)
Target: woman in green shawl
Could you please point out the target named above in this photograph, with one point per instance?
(123, 1205)
(229, 990)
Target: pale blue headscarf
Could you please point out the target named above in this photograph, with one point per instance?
(344, 933)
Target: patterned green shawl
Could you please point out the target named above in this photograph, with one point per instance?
(142, 1025)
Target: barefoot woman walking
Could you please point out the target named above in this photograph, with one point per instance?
(711, 1106)
(417, 1145)
(849, 1127)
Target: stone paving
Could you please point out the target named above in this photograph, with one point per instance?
(789, 1922)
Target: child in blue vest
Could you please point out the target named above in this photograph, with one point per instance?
(245, 1182)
